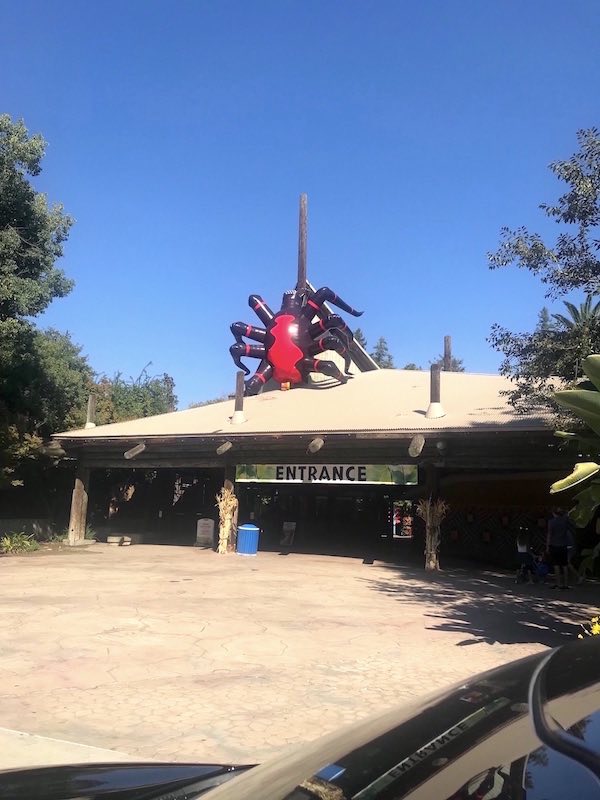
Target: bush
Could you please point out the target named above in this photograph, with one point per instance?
(15, 543)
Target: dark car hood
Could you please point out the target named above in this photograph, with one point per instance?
(114, 781)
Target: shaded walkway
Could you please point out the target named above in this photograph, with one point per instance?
(487, 606)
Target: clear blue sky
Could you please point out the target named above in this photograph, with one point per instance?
(180, 135)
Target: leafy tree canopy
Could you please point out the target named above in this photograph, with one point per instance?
(31, 232)
(543, 361)
(572, 262)
(413, 366)
(119, 400)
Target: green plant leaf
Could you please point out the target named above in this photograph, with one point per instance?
(581, 473)
(591, 367)
(587, 501)
(584, 403)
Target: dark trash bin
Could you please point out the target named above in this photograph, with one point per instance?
(247, 539)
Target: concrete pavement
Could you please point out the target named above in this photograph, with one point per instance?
(177, 653)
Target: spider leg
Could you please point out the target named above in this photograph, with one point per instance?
(314, 304)
(260, 377)
(263, 312)
(332, 342)
(240, 329)
(330, 322)
(326, 367)
(240, 349)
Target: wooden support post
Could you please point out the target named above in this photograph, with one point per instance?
(91, 412)
(447, 353)
(238, 413)
(302, 228)
(79, 503)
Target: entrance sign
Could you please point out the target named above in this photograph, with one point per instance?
(391, 474)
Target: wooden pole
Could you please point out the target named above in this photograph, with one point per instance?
(302, 229)
(91, 412)
(447, 353)
(238, 412)
(79, 504)
(239, 391)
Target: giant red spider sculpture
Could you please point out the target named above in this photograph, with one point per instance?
(290, 339)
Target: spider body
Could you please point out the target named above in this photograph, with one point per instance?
(292, 338)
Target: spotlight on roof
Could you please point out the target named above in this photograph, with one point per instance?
(316, 445)
(135, 451)
(223, 448)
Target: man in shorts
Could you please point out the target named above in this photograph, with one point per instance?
(557, 543)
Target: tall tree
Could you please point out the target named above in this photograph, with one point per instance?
(543, 361)
(544, 322)
(360, 337)
(381, 354)
(586, 315)
(31, 237)
(31, 232)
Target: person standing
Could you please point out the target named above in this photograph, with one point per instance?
(557, 542)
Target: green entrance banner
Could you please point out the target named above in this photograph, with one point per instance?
(392, 474)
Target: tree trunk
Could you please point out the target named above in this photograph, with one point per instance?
(224, 534)
(432, 546)
(232, 542)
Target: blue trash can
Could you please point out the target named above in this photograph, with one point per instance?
(247, 539)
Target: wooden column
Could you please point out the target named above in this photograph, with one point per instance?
(302, 228)
(447, 353)
(79, 503)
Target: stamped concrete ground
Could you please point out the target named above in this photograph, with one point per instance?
(178, 653)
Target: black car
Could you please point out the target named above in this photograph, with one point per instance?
(526, 731)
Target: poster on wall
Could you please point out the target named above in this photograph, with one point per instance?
(402, 520)
(388, 474)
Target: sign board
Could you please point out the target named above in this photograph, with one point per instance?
(205, 532)
(392, 474)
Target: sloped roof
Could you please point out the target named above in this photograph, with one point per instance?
(381, 400)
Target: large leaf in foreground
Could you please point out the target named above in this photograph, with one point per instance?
(587, 501)
(591, 367)
(585, 403)
(581, 473)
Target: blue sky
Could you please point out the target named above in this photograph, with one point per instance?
(181, 134)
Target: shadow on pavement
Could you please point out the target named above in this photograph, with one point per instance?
(487, 606)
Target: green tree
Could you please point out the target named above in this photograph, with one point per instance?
(572, 262)
(544, 320)
(456, 364)
(32, 234)
(586, 315)
(381, 354)
(360, 338)
(119, 400)
(44, 383)
(542, 361)
(411, 365)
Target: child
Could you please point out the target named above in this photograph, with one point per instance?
(525, 560)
